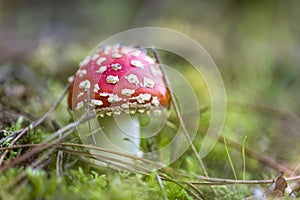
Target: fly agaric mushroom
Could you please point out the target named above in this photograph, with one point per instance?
(119, 81)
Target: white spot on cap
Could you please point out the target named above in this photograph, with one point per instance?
(126, 50)
(101, 69)
(137, 63)
(86, 84)
(155, 71)
(113, 98)
(79, 105)
(155, 101)
(104, 94)
(116, 55)
(81, 73)
(112, 79)
(116, 66)
(107, 49)
(136, 53)
(96, 88)
(100, 60)
(79, 95)
(149, 83)
(95, 57)
(142, 98)
(149, 60)
(127, 92)
(132, 78)
(116, 47)
(96, 102)
(85, 61)
(70, 79)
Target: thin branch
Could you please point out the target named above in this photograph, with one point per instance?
(176, 108)
(108, 160)
(161, 186)
(65, 91)
(296, 168)
(87, 159)
(19, 146)
(221, 181)
(146, 161)
(88, 111)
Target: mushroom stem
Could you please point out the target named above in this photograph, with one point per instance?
(119, 133)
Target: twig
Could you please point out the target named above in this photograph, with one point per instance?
(88, 111)
(161, 185)
(19, 146)
(148, 162)
(296, 168)
(185, 131)
(231, 182)
(220, 181)
(106, 159)
(65, 91)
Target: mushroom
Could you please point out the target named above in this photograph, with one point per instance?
(118, 82)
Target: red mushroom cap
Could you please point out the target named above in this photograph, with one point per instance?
(116, 79)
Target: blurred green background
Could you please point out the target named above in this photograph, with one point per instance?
(255, 44)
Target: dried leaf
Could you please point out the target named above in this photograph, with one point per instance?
(280, 184)
(278, 187)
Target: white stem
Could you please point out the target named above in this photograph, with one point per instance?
(119, 133)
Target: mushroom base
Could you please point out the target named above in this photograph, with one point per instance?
(118, 133)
